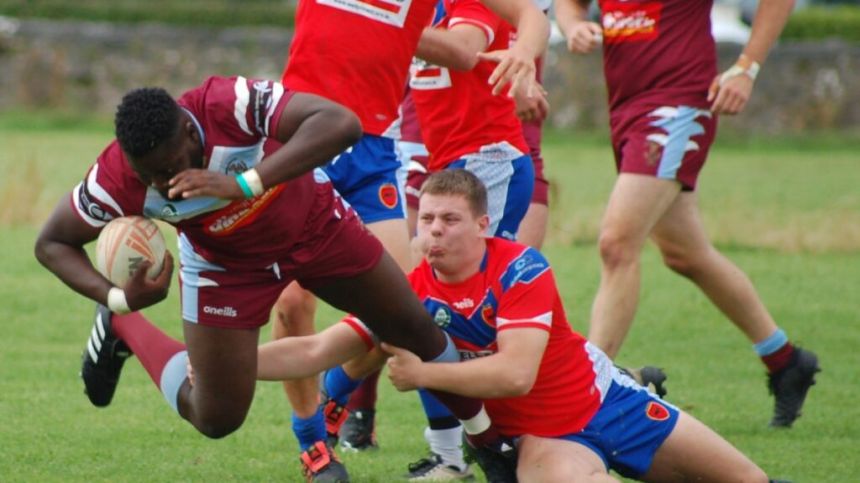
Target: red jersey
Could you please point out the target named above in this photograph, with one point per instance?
(457, 110)
(357, 53)
(515, 288)
(235, 116)
(659, 52)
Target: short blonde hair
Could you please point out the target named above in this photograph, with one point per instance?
(458, 182)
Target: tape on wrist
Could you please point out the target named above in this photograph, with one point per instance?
(736, 70)
(116, 301)
(253, 181)
(246, 190)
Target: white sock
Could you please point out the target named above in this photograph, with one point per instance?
(446, 443)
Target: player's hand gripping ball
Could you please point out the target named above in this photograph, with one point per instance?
(124, 244)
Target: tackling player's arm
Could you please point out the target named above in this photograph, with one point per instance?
(313, 129)
(582, 35)
(731, 90)
(510, 372)
(60, 249)
(456, 48)
(300, 357)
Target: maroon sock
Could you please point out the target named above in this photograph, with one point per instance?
(364, 397)
(778, 360)
(152, 347)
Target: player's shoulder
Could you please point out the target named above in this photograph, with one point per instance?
(515, 262)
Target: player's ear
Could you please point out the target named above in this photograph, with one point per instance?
(484, 223)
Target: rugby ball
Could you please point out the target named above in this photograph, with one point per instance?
(124, 243)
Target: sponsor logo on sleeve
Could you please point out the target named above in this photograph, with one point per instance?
(90, 207)
(261, 101)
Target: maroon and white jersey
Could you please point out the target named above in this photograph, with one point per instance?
(235, 117)
(357, 53)
(658, 52)
(457, 110)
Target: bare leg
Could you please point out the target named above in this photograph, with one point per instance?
(635, 205)
(225, 368)
(294, 316)
(687, 250)
(533, 227)
(552, 460)
(694, 452)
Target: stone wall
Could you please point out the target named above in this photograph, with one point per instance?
(81, 66)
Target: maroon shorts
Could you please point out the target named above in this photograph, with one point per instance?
(334, 245)
(667, 142)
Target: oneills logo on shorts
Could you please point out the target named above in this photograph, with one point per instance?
(388, 195)
(656, 411)
(220, 311)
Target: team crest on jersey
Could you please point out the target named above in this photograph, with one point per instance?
(488, 314)
(235, 166)
(656, 411)
(630, 21)
(442, 317)
(388, 195)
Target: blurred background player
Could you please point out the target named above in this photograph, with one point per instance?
(663, 120)
(464, 125)
(369, 77)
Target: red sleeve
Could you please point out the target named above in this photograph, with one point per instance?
(475, 13)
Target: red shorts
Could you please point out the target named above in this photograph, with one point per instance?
(334, 245)
(668, 142)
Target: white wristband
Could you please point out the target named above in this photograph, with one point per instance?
(252, 177)
(736, 70)
(116, 301)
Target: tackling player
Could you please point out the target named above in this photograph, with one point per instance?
(572, 414)
(663, 120)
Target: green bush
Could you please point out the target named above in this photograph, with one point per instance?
(819, 23)
(219, 13)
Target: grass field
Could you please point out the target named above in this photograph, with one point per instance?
(788, 214)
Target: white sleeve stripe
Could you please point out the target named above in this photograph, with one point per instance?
(83, 214)
(491, 35)
(240, 108)
(542, 319)
(277, 93)
(99, 193)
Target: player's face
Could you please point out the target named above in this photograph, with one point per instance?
(183, 151)
(450, 235)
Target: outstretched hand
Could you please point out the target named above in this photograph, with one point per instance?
(515, 68)
(404, 368)
(142, 291)
(192, 183)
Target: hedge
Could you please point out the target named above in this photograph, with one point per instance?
(820, 23)
(220, 13)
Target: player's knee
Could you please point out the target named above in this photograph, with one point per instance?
(616, 250)
(294, 311)
(682, 262)
(220, 426)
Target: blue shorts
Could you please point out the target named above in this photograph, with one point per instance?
(628, 429)
(509, 190)
(371, 178)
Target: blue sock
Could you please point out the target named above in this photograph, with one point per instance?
(771, 344)
(338, 385)
(309, 430)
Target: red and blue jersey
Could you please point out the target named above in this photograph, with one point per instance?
(457, 110)
(515, 289)
(357, 53)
